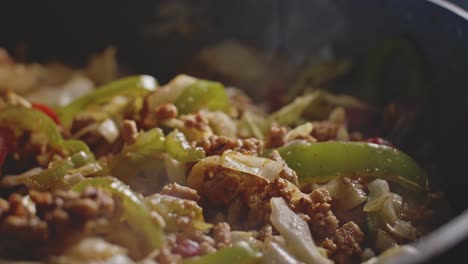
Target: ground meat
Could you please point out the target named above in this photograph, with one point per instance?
(323, 222)
(176, 190)
(239, 100)
(251, 146)
(150, 118)
(222, 235)
(315, 209)
(348, 240)
(276, 137)
(329, 246)
(197, 121)
(266, 232)
(166, 111)
(221, 187)
(286, 173)
(325, 130)
(248, 200)
(234, 212)
(60, 219)
(129, 131)
(216, 145)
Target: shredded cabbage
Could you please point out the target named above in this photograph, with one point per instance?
(262, 167)
(296, 232)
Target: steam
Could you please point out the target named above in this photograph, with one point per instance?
(301, 29)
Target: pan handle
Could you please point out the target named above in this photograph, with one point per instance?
(456, 9)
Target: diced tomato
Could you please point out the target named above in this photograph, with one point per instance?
(380, 141)
(46, 110)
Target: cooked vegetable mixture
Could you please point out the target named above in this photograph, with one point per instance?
(193, 172)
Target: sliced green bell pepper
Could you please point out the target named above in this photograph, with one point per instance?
(292, 113)
(178, 148)
(18, 118)
(131, 86)
(147, 143)
(171, 208)
(238, 253)
(202, 95)
(135, 212)
(22, 118)
(320, 162)
(74, 146)
(54, 177)
(140, 164)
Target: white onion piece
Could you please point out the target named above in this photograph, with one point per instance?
(176, 171)
(345, 193)
(169, 92)
(384, 240)
(296, 232)
(274, 254)
(391, 208)
(367, 254)
(94, 250)
(392, 254)
(221, 123)
(196, 176)
(338, 115)
(60, 95)
(403, 229)
(262, 167)
(108, 130)
(245, 237)
(301, 131)
(378, 194)
(254, 123)
(342, 134)
(29, 204)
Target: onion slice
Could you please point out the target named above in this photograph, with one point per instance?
(261, 167)
(296, 232)
(379, 192)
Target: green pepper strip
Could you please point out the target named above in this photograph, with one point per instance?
(171, 208)
(238, 253)
(202, 95)
(53, 177)
(178, 148)
(22, 118)
(75, 146)
(16, 117)
(130, 86)
(135, 212)
(320, 162)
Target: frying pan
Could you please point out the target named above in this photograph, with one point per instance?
(70, 31)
